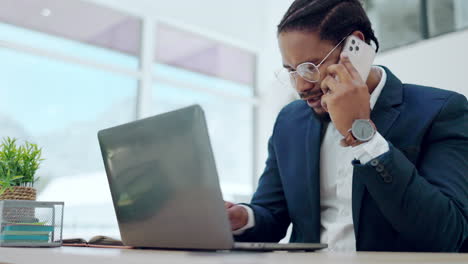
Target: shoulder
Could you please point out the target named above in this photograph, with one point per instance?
(293, 118)
(446, 111)
(427, 93)
(297, 109)
(436, 100)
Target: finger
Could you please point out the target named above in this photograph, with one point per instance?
(323, 102)
(228, 205)
(238, 217)
(231, 212)
(329, 84)
(344, 59)
(233, 217)
(339, 70)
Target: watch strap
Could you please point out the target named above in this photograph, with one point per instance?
(350, 141)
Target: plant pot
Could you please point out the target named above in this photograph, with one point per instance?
(19, 214)
(19, 193)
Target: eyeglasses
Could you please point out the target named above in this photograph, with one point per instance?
(307, 70)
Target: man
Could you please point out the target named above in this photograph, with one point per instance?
(402, 188)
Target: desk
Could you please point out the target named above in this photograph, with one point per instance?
(72, 255)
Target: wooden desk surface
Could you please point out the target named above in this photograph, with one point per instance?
(71, 255)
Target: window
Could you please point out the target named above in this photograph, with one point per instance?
(73, 28)
(402, 22)
(61, 106)
(446, 16)
(189, 51)
(229, 125)
(440, 16)
(396, 22)
(192, 69)
(72, 68)
(461, 14)
(50, 98)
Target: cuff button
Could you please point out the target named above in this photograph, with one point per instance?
(379, 168)
(374, 162)
(388, 179)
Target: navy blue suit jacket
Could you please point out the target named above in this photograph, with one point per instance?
(412, 198)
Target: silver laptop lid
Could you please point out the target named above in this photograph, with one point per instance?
(164, 183)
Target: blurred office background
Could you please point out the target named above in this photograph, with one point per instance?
(72, 67)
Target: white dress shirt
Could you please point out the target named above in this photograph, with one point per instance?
(336, 174)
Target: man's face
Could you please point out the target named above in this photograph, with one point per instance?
(297, 47)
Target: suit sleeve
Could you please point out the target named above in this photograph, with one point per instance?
(427, 202)
(268, 204)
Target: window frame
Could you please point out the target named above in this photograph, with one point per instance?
(146, 79)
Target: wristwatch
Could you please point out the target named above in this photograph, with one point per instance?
(361, 131)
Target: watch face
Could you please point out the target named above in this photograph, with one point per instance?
(362, 130)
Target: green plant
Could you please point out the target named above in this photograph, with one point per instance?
(18, 164)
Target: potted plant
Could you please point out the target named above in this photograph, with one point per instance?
(18, 166)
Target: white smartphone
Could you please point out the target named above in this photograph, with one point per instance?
(360, 54)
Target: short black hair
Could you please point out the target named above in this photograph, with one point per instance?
(333, 19)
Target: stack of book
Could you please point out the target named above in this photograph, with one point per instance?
(26, 233)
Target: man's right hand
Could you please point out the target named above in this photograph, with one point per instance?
(238, 215)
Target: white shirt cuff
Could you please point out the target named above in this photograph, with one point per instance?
(371, 149)
(250, 221)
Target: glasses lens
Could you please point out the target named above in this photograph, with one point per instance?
(285, 78)
(309, 72)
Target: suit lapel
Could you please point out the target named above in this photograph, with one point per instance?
(313, 143)
(385, 111)
(383, 115)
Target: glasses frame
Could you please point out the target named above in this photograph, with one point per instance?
(293, 74)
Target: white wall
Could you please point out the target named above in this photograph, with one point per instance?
(438, 62)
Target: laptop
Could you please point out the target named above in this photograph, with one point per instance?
(165, 188)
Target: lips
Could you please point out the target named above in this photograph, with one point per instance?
(310, 94)
(313, 100)
(313, 97)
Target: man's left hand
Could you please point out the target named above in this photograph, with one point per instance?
(346, 98)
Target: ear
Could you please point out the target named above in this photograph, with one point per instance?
(359, 35)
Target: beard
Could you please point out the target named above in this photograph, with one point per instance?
(320, 113)
(323, 117)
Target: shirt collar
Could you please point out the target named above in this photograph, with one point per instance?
(378, 89)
